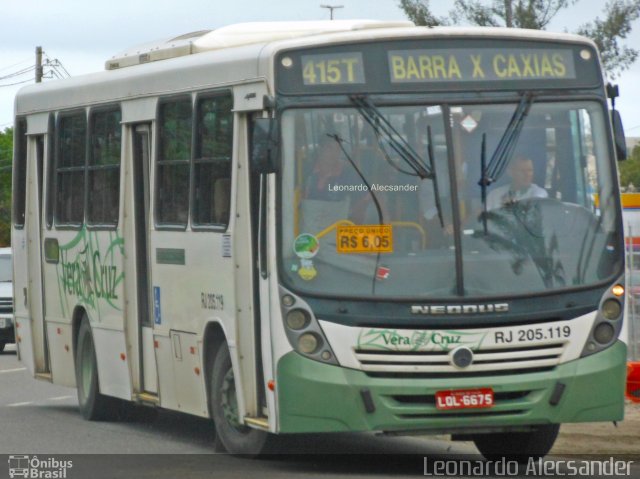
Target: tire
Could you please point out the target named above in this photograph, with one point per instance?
(518, 446)
(230, 434)
(2, 345)
(93, 405)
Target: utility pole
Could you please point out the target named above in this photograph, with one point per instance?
(38, 64)
(331, 8)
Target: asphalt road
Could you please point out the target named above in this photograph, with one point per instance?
(39, 419)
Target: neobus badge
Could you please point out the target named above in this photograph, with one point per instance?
(460, 309)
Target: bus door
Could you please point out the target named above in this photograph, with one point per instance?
(141, 197)
(34, 214)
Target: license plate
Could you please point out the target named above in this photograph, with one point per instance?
(3, 323)
(465, 399)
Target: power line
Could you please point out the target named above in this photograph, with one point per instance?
(18, 73)
(15, 64)
(17, 83)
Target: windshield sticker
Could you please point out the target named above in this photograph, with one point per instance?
(365, 239)
(306, 246)
(410, 340)
(307, 271)
(434, 110)
(383, 272)
(469, 124)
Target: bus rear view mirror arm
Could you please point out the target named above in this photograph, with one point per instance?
(264, 146)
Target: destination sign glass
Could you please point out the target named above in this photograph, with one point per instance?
(481, 64)
(423, 65)
(333, 69)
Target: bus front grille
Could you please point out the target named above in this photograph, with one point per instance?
(514, 360)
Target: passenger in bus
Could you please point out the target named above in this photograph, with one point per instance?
(332, 176)
(521, 186)
(333, 189)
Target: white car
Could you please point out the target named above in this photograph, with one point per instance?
(7, 333)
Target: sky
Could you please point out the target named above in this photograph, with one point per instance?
(82, 34)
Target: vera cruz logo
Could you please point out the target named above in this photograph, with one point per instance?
(417, 340)
(91, 270)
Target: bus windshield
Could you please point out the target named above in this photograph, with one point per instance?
(447, 201)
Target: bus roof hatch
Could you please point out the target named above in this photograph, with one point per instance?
(238, 35)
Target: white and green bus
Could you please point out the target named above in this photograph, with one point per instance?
(329, 226)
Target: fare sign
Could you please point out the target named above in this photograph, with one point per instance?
(465, 399)
(365, 239)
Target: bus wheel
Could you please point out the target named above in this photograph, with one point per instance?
(235, 437)
(93, 405)
(2, 345)
(518, 446)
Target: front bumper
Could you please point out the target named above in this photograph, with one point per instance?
(317, 397)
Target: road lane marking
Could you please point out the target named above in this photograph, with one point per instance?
(12, 370)
(60, 398)
(18, 404)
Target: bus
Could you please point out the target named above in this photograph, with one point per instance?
(310, 227)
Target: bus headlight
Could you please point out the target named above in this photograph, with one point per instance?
(603, 333)
(303, 330)
(308, 343)
(607, 323)
(297, 319)
(611, 309)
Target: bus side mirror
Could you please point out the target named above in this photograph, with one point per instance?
(613, 92)
(618, 135)
(263, 146)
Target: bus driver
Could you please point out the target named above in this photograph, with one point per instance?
(521, 187)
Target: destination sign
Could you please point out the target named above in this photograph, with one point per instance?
(333, 69)
(421, 65)
(481, 64)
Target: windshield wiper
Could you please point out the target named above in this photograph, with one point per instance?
(381, 126)
(340, 142)
(432, 165)
(502, 155)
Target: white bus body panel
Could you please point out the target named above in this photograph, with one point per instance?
(113, 363)
(25, 342)
(61, 355)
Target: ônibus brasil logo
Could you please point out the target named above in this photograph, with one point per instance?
(35, 468)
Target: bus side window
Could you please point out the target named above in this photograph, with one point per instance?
(212, 163)
(20, 173)
(174, 161)
(104, 168)
(70, 168)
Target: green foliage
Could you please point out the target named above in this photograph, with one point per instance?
(630, 169)
(418, 12)
(608, 32)
(6, 154)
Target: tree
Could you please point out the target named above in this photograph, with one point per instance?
(6, 153)
(630, 169)
(608, 33)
